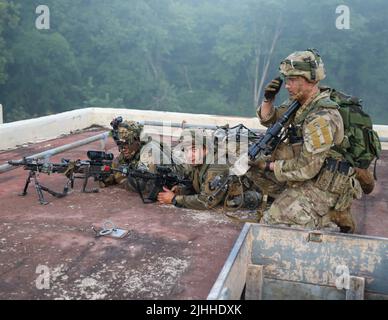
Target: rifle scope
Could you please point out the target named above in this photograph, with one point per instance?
(99, 155)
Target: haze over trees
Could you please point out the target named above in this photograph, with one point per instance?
(199, 56)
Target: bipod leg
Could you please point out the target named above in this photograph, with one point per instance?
(28, 180)
(69, 185)
(71, 180)
(54, 193)
(38, 189)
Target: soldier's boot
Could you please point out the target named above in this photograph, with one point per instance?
(344, 220)
(366, 180)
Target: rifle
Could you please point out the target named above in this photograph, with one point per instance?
(273, 136)
(98, 166)
(265, 144)
(164, 176)
(262, 146)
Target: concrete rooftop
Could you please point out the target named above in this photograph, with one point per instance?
(169, 253)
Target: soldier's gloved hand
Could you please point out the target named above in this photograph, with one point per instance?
(262, 165)
(272, 89)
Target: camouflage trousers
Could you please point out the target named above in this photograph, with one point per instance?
(302, 205)
(266, 182)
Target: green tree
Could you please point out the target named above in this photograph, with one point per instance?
(8, 22)
(204, 56)
(44, 78)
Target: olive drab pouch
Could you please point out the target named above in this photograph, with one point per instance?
(335, 176)
(352, 191)
(339, 183)
(327, 175)
(341, 178)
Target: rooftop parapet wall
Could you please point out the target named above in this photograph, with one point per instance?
(17, 133)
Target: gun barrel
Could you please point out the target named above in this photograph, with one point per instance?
(265, 142)
(16, 163)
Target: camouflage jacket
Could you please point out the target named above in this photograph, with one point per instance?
(319, 125)
(201, 177)
(117, 177)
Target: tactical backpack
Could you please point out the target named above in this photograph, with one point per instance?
(361, 144)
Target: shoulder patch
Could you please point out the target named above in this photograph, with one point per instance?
(318, 135)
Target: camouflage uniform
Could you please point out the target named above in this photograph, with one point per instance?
(200, 174)
(142, 157)
(128, 133)
(117, 177)
(304, 190)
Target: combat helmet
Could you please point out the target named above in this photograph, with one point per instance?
(307, 64)
(129, 131)
(125, 132)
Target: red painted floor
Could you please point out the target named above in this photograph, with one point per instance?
(169, 253)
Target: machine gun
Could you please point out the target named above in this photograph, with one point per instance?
(164, 176)
(98, 166)
(35, 167)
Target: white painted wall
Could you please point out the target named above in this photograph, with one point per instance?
(18, 133)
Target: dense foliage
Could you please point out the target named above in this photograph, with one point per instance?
(200, 56)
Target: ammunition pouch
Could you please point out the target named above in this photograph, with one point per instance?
(339, 177)
(334, 176)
